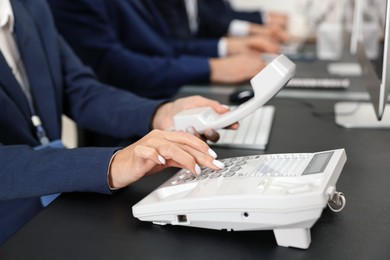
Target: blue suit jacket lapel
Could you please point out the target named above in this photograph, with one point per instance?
(11, 87)
(37, 66)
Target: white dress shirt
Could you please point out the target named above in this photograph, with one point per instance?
(9, 48)
(193, 22)
(192, 13)
(237, 28)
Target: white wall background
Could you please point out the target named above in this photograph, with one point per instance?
(305, 14)
(301, 6)
(277, 5)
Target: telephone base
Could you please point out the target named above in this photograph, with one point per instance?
(295, 237)
(286, 193)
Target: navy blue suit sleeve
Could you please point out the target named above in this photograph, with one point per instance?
(112, 50)
(203, 47)
(216, 15)
(100, 107)
(27, 173)
(250, 16)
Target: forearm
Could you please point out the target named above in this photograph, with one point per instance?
(152, 76)
(205, 48)
(51, 170)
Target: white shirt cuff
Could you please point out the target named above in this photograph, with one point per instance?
(264, 17)
(239, 28)
(222, 48)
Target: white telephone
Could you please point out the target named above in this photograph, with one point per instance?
(283, 192)
(265, 84)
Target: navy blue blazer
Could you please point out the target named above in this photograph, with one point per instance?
(60, 84)
(129, 45)
(214, 18)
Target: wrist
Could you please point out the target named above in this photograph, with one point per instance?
(265, 17)
(110, 178)
(159, 116)
(214, 70)
(236, 45)
(230, 44)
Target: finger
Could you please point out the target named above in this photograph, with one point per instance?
(204, 159)
(186, 155)
(145, 159)
(211, 135)
(191, 130)
(281, 35)
(208, 135)
(215, 105)
(265, 44)
(178, 138)
(176, 155)
(234, 126)
(130, 165)
(186, 139)
(149, 153)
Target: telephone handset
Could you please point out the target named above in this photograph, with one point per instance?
(265, 84)
(283, 192)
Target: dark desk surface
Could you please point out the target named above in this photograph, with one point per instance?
(93, 226)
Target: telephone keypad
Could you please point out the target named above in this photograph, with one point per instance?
(190, 178)
(229, 174)
(215, 175)
(275, 165)
(228, 164)
(235, 168)
(202, 176)
(240, 163)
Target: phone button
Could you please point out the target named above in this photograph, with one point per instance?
(215, 175)
(229, 174)
(261, 186)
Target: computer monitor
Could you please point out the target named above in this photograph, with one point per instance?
(385, 70)
(357, 25)
(376, 74)
(367, 18)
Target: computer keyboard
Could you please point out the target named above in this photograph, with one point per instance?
(292, 48)
(253, 132)
(325, 83)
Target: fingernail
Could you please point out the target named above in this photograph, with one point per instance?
(190, 130)
(226, 106)
(161, 159)
(210, 132)
(211, 135)
(197, 169)
(219, 164)
(212, 153)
